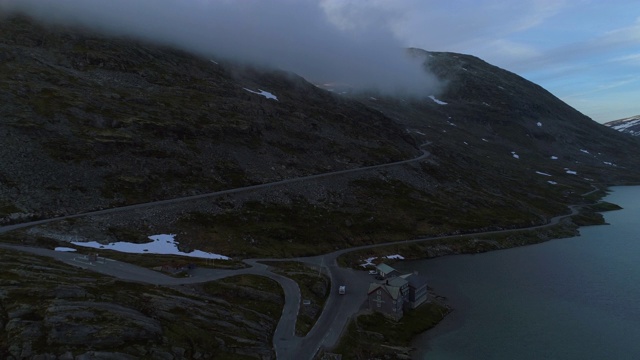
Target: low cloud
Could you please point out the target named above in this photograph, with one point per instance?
(302, 36)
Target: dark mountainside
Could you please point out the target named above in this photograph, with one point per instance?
(630, 125)
(90, 122)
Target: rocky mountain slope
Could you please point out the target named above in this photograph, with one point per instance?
(96, 122)
(88, 122)
(91, 122)
(630, 125)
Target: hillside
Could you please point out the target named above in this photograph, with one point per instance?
(93, 122)
(630, 125)
(96, 122)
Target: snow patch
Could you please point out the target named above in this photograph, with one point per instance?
(213, 62)
(541, 173)
(626, 125)
(266, 94)
(439, 102)
(516, 156)
(570, 172)
(552, 182)
(585, 151)
(369, 262)
(554, 158)
(539, 124)
(609, 163)
(161, 244)
(485, 140)
(65, 249)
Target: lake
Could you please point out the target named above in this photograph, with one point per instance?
(575, 298)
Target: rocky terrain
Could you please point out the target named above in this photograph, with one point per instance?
(93, 122)
(53, 311)
(630, 125)
(90, 122)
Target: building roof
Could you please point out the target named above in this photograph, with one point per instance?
(415, 280)
(384, 268)
(397, 282)
(393, 291)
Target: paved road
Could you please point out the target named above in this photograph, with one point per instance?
(7, 228)
(338, 309)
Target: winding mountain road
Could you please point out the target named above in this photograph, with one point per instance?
(338, 309)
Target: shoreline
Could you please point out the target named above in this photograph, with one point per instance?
(459, 304)
(567, 226)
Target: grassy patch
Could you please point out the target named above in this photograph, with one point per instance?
(254, 292)
(375, 336)
(314, 287)
(463, 244)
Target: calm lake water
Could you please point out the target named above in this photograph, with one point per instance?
(576, 298)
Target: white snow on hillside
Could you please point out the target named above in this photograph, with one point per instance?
(64, 249)
(609, 163)
(161, 244)
(266, 94)
(552, 182)
(626, 125)
(554, 158)
(541, 173)
(539, 124)
(513, 153)
(585, 151)
(369, 261)
(439, 102)
(570, 172)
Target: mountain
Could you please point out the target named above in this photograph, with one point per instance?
(630, 125)
(93, 122)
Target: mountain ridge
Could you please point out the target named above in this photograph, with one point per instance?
(92, 122)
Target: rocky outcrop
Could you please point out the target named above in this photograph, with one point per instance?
(51, 311)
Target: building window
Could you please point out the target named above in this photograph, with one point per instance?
(378, 298)
(378, 304)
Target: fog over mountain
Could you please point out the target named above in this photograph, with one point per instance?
(296, 36)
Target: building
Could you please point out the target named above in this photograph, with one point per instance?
(386, 271)
(389, 297)
(418, 292)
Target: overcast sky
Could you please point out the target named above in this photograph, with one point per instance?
(586, 52)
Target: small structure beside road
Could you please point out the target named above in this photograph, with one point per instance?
(177, 268)
(386, 271)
